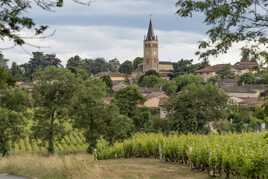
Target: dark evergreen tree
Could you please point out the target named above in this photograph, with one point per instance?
(126, 67)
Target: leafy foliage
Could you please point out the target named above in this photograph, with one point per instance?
(14, 18)
(16, 72)
(114, 65)
(98, 65)
(127, 100)
(52, 95)
(126, 67)
(76, 64)
(108, 82)
(209, 153)
(151, 74)
(40, 61)
(150, 81)
(119, 127)
(142, 118)
(226, 72)
(169, 86)
(136, 62)
(88, 111)
(13, 103)
(195, 107)
(184, 66)
(95, 118)
(3, 61)
(229, 22)
(184, 80)
(247, 78)
(5, 78)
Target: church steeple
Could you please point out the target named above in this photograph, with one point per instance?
(151, 60)
(150, 34)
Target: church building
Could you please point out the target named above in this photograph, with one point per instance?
(151, 59)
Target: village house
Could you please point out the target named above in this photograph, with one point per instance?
(245, 66)
(245, 95)
(156, 101)
(211, 71)
(240, 68)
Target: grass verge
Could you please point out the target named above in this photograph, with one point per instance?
(82, 166)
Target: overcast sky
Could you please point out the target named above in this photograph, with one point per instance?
(115, 29)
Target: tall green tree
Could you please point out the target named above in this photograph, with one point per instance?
(126, 67)
(169, 86)
(76, 64)
(127, 100)
(148, 73)
(195, 107)
(96, 118)
(142, 118)
(100, 65)
(247, 78)
(136, 62)
(229, 22)
(226, 72)
(13, 104)
(120, 127)
(108, 82)
(5, 78)
(184, 80)
(3, 61)
(183, 67)
(151, 81)
(88, 110)
(40, 61)
(16, 72)
(114, 65)
(52, 93)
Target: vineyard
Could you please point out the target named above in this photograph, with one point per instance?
(232, 155)
(71, 143)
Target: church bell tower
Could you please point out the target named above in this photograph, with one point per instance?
(151, 60)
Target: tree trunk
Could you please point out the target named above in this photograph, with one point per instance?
(3, 147)
(51, 147)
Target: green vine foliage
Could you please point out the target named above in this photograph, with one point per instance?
(231, 155)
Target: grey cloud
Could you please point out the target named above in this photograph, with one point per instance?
(105, 41)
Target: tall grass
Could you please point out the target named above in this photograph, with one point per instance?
(56, 167)
(241, 155)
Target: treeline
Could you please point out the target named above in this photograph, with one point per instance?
(40, 60)
(62, 99)
(199, 106)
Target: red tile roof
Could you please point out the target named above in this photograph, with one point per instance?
(210, 69)
(242, 65)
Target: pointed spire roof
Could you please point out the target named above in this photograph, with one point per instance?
(150, 34)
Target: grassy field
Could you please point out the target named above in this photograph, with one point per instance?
(82, 166)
